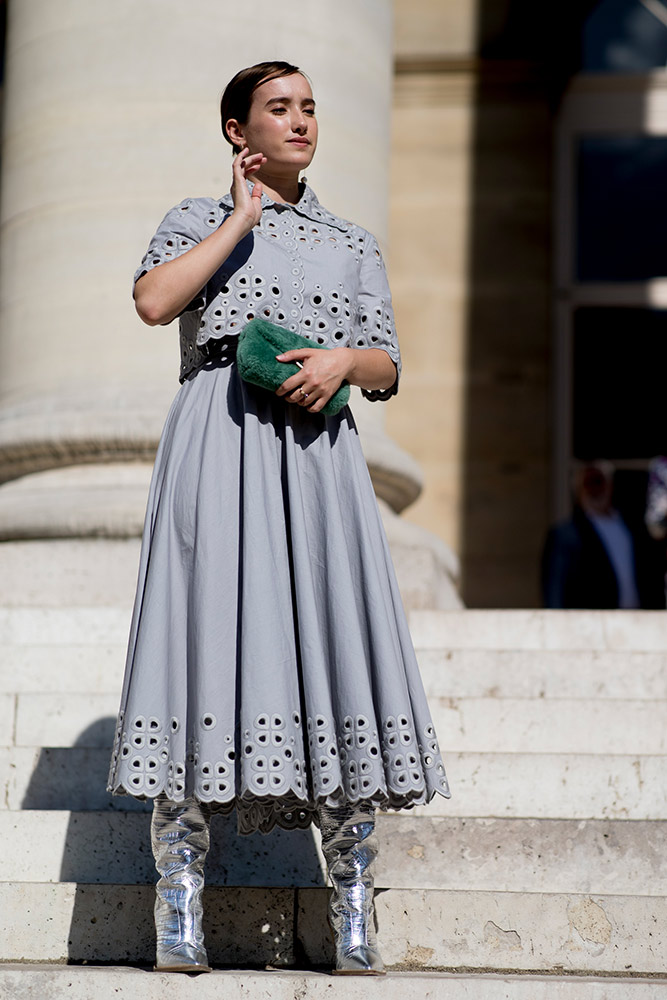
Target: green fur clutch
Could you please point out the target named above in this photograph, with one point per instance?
(259, 342)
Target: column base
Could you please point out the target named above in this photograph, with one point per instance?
(108, 502)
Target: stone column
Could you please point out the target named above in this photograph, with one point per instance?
(111, 118)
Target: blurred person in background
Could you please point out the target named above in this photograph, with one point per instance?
(594, 559)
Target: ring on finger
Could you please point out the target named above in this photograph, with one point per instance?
(304, 395)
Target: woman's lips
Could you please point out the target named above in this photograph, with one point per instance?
(299, 142)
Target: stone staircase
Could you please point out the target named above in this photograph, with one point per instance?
(545, 876)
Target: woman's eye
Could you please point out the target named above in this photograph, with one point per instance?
(278, 111)
(309, 111)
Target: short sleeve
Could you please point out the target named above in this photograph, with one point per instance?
(375, 325)
(182, 228)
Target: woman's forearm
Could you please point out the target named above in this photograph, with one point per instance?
(371, 368)
(165, 291)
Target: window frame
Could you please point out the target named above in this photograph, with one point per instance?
(593, 105)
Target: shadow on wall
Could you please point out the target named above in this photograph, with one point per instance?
(108, 866)
(527, 51)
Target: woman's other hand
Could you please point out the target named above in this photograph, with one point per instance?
(247, 205)
(321, 374)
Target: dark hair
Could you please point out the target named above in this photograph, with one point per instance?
(237, 98)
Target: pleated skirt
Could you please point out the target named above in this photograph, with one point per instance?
(269, 667)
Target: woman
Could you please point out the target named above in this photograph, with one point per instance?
(270, 668)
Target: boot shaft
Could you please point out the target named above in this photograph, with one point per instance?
(350, 847)
(180, 843)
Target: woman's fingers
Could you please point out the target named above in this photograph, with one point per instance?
(248, 162)
(301, 398)
(298, 354)
(252, 165)
(237, 162)
(245, 163)
(292, 384)
(320, 375)
(248, 203)
(296, 389)
(299, 390)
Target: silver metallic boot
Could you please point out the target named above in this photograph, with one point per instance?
(349, 844)
(180, 840)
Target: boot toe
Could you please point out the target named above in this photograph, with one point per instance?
(184, 958)
(361, 961)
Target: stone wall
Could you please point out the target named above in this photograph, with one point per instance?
(470, 228)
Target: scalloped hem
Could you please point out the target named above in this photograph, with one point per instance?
(262, 814)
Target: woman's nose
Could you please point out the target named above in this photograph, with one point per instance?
(299, 124)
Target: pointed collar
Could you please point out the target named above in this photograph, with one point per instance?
(308, 206)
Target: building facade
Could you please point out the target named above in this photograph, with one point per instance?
(507, 155)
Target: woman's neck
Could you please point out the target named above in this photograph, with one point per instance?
(279, 188)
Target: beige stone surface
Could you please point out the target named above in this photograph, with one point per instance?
(66, 572)
(53, 922)
(477, 725)
(417, 928)
(632, 631)
(34, 982)
(552, 673)
(506, 930)
(470, 244)
(65, 668)
(98, 501)
(423, 28)
(100, 139)
(427, 570)
(64, 626)
(553, 786)
(430, 190)
(77, 501)
(578, 786)
(464, 855)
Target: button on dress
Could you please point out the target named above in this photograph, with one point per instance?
(269, 666)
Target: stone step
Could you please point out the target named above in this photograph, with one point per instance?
(512, 855)
(630, 631)
(604, 674)
(83, 649)
(69, 626)
(417, 929)
(575, 786)
(483, 725)
(69, 572)
(58, 982)
(633, 631)
(62, 669)
(567, 786)
(482, 673)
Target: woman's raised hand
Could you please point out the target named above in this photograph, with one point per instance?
(246, 204)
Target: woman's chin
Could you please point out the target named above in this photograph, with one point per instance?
(292, 161)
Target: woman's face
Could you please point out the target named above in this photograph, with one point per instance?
(281, 123)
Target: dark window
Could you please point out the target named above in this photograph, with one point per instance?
(621, 208)
(620, 361)
(625, 36)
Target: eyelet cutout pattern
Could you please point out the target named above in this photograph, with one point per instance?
(352, 762)
(307, 270)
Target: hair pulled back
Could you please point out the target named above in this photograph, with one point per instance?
(237, 98)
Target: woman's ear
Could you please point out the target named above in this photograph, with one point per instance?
(235, 132)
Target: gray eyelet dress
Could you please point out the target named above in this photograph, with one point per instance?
(270, 668)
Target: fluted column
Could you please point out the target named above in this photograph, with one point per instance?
(110, 118)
